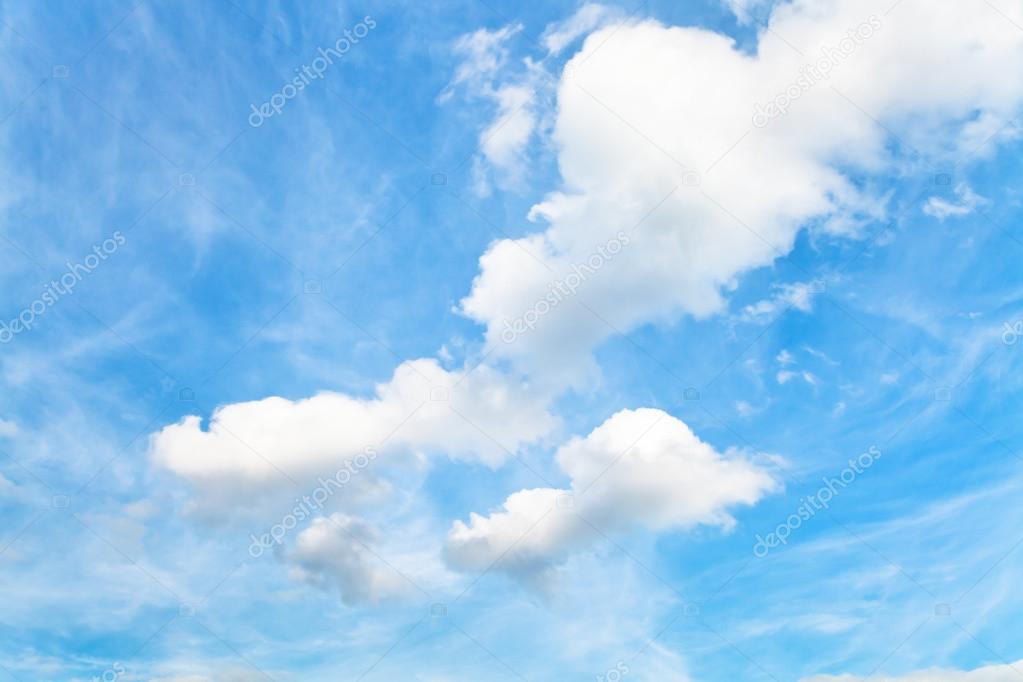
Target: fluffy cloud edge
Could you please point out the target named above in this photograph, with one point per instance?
(1007, 672)
(641, 468)
(477, 414)
(783, 146)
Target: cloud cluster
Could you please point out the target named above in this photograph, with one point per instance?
(795, 296)
(966, 200)
(480, 414)
(335, 551)
(656, 139)
(655, 135)
(483, 74)
(639, 469)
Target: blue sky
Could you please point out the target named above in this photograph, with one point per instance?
(263, 418)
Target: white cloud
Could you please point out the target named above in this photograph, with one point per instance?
(484, 53)
(744, 409)
(337, 552)
(785, 376)
(559, 35)
(507, 135)
(821, 355)
(484, 73)
(966, 201)
(991, 673)
(423, 409)
(644, 107)
(640, 469)
(798, 296)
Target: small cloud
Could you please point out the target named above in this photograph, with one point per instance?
(889, 377)
(8, 429)
(785, 358)
(744, 408)
(559, 35)
(798, 295)
(445, 354)
(785, 376)
(336, 551)
(966, 202)
(484, 74)
(821, 355)
(484, 53)
(504, 139)
(667, 479)
(839, 409)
